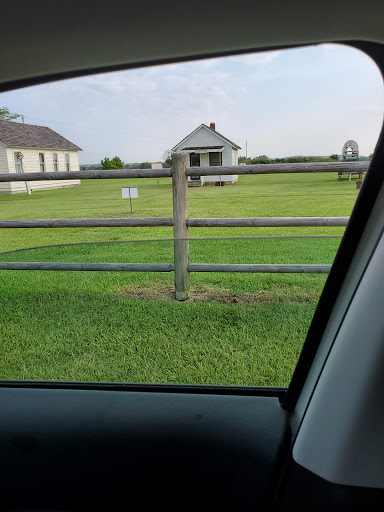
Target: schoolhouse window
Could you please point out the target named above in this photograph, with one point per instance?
(42, 162)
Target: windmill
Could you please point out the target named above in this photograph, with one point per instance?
(350, 151)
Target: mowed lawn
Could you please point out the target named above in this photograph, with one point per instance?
(245, 329)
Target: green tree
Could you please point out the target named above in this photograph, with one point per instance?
(305, 159)
(262, 159)
(6, 115)
(335, 158)
(167, 156)
(114, 163)
(106, 164)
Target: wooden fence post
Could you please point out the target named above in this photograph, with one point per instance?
(180, 228)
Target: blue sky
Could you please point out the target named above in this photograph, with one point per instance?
(306, 101)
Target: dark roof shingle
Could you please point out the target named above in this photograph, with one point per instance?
(213, 131)
(203, 147)
(33, 136)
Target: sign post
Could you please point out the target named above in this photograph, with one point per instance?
(157, 165)
(131, 193)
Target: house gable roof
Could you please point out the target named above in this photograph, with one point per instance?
(33, 136)
(213, 131)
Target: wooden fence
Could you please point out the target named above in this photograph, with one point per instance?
(180, 220)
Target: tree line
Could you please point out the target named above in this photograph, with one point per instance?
(264, 159)
(115, 163)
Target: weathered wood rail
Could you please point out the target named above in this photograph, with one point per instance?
(258, 267)
(180, 221)
(255, 222)
(167, 267)
(267, 222)
(88, 223)
(100, 267)
(313, 167)
(87, 175)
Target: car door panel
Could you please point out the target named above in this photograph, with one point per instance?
(108, 450)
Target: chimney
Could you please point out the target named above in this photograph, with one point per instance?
(212, 126)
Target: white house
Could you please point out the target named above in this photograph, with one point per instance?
(43, 150)
(206, 147)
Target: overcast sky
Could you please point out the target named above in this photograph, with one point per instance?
(305, 101)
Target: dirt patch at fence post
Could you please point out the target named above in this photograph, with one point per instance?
(222, 296)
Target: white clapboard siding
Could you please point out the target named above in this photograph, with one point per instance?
(5, 188)
(224, 179)
(204, 160)
(31, 164)
(235, 161)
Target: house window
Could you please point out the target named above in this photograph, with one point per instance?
(195, 162)
(18, 163)
(55, 162)
(67, 166)
(215, 159)
(42, 162)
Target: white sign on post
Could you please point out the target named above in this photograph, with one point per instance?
(129, 193)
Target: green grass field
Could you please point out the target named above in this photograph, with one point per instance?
(243, 329)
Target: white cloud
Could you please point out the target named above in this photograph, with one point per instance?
(257, 59)
(281, 102)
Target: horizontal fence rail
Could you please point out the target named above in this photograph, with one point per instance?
(88, 223)
(260, 268)
(255, 222)
(280, 168)
(264, 222)
(87, 175)
(165, 267)
(101, 267)
(312, 167)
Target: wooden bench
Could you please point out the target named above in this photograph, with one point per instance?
(342, 173)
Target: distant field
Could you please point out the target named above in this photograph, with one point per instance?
(236, 329)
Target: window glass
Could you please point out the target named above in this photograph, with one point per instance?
(42, 162)
(18, 162)
(215, 159)
(245, 326)
(195, 160)
(55, 162)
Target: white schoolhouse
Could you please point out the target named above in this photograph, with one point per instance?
(206, 147)
(42, 150)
